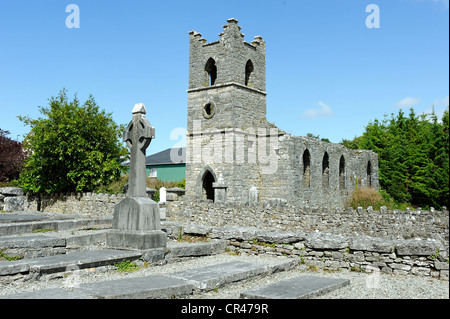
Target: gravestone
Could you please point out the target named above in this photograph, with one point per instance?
(220, 190)
(136, 221)
(162, 194)
(253, 195)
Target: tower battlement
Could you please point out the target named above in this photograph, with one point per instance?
(228, 60)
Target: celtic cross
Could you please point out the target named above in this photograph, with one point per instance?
(138, 135)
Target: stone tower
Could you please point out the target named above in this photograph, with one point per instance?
(227, 80)
(226, 99)
(233, 154)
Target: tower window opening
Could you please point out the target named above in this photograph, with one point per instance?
(325, 171)
(342, 173)
(248, 71)
(306, 169)
(369, 174)
(211, 69)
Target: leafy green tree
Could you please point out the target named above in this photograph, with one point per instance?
(74, 147)
(413, 156)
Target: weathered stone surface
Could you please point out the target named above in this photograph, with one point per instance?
(31, 242)
(13, 218)
(136, 239)
(51, 293)
(417, 247)
(137, 288)
(136, 213)
(197, 249)
(280, 236)
(367, 243)
(439, 265)
(83, 259)
(326, 241)
(11, 191)
(209, 277)
(302, 287)
(14, 203)
(236, 232)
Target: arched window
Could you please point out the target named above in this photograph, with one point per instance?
(369, 174)
(342, 172)
(207, 186)
(211, 69)
(325, 171)
(248, 71)
(306, 169)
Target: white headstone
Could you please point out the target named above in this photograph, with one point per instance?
(162, 194)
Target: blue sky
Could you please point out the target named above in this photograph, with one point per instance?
(327, 73)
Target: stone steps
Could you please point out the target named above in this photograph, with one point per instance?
(302, 287)
(23, 225)
(178, 284)
(63, 262)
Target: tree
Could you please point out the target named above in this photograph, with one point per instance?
(412, 156)
(11, 157)
(73, 148)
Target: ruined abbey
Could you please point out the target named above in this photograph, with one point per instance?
(235, 155)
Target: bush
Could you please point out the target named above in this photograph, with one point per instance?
(368, 196)
(365, 197)
(11, 158)
(74, 148)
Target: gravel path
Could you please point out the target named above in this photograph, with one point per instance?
(362, 285)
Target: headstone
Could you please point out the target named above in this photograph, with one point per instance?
(136, 223)
(162, 195)
(220, 190)
(253, 195)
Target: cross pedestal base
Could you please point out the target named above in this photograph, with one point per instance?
(136, 239)
(136, 225)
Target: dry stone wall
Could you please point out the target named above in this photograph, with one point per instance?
(74, 203)
(390, 224)
(331, 251)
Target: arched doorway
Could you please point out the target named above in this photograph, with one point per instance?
(207, 186)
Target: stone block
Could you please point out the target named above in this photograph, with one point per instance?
(14, 203)
(366, 243)
(417, 247)
(33, 241)
(136, 213)
(51, 293)
(280, 237)
(154, 287)
(136, 239)
(11, 191)
(439, 265)
(326, 241)
(210, 277)
(302, 287)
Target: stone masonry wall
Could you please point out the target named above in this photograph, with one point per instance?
(392, 224)
(333, 252)
(74, 203)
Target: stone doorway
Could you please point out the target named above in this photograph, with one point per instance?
(207, 186)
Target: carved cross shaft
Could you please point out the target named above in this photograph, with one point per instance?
(138, 135)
